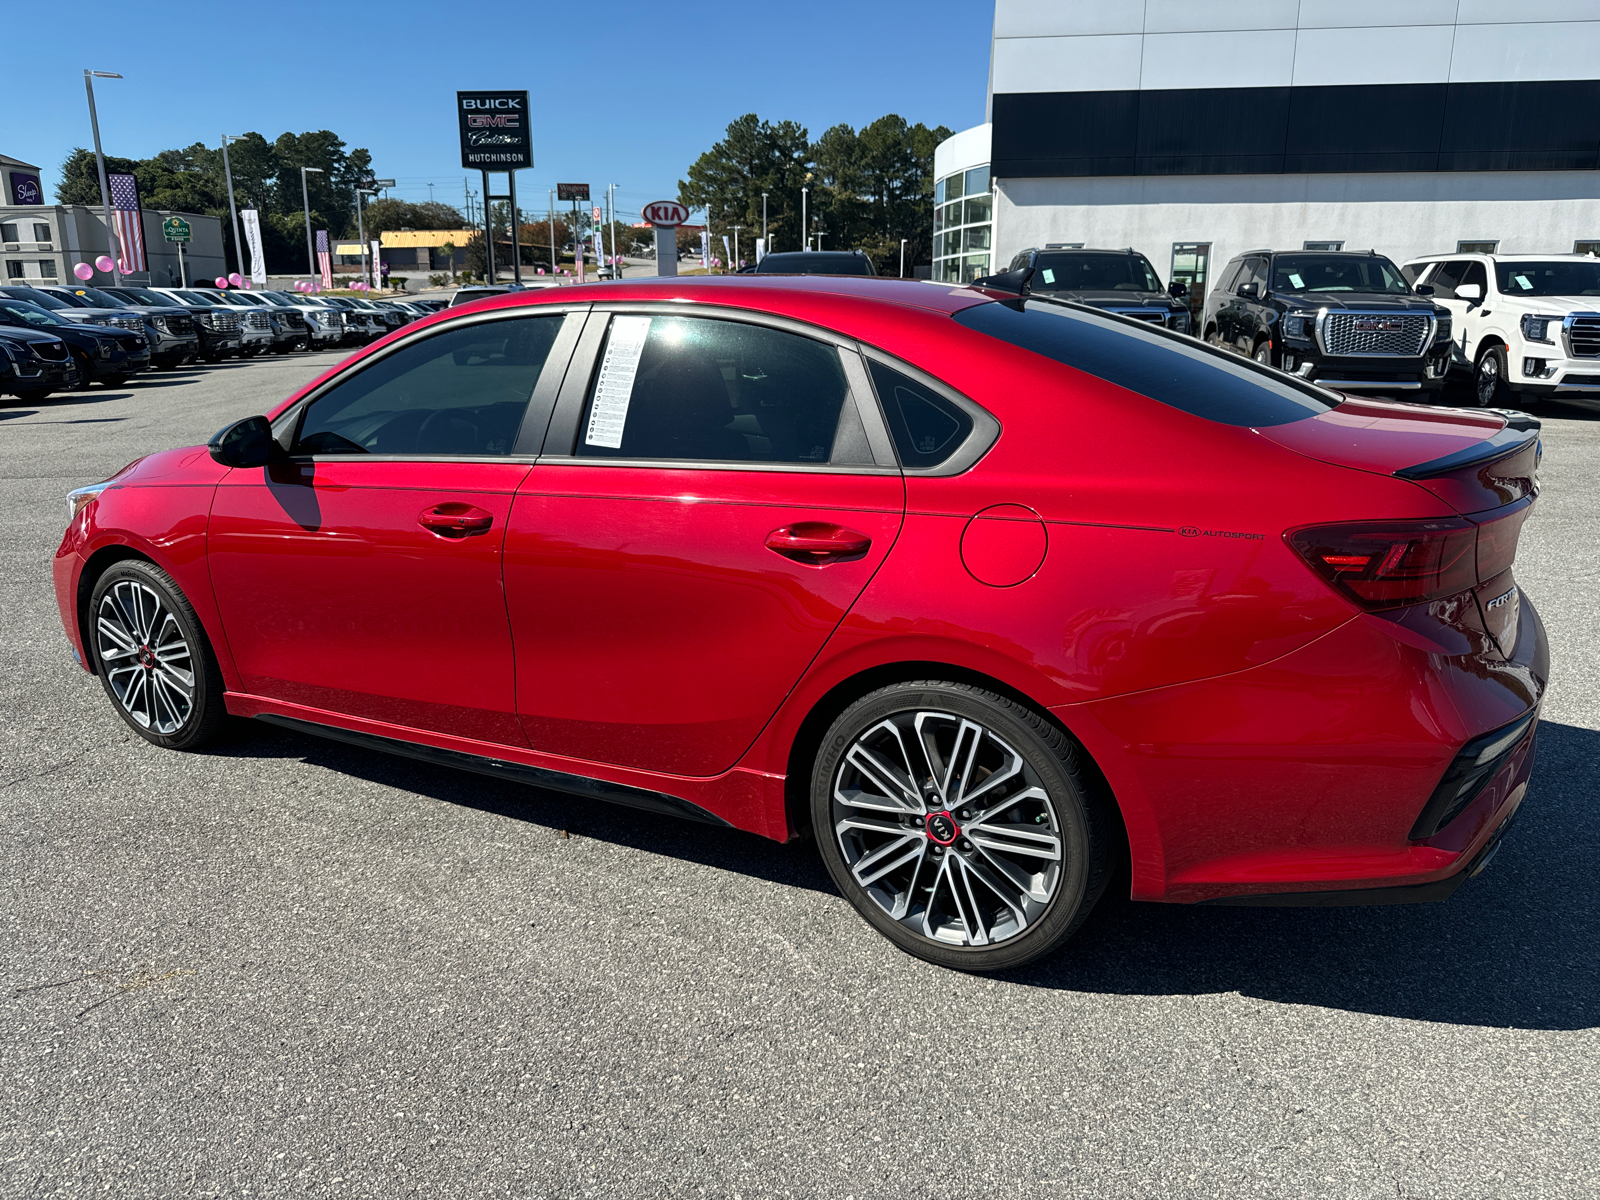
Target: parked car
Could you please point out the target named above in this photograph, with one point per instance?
(217, 330)
(1119, 281)
(34, 363)
(388, 317)
(169, 331)
(103, 353)
(362, 325)
(325, 328)
(1527, 327)
(288, 323)
(1346, 320)
(255, 329)
(809, 558)
(466, 295)
(816, 262)
(75, 309)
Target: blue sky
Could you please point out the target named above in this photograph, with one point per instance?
(620, 93)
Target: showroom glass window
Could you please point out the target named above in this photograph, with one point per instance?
(963, 226)
(692, 389)
(458, 393)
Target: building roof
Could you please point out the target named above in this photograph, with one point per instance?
(424, 237)
(7, 161)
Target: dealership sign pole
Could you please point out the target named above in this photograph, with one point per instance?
(496, 136)
(666, 216)
(574, 192)
(176, 229)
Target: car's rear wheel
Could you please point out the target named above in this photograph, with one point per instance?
(1263, 353)
(153, 658)
(1489, 380)
(959, 824)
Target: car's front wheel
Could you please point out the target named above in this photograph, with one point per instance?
(959, 824)
(152, 656)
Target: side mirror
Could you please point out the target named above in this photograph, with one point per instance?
(246, 443)
(1423, 289)
(1177, 289)
(1469, 291)
(1250, 290)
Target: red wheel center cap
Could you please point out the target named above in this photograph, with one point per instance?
(942, 829)
(146, 657)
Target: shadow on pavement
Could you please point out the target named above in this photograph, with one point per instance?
(1517, 947)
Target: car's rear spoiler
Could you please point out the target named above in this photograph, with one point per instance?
(1519, 432)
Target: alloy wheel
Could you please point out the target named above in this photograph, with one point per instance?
(947, 828)
(147, 661)
(1488, 378)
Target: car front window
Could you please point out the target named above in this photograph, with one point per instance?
(1554, 278)
(30, 314)
(1337, 273)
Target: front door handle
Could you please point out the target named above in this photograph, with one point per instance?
(817, 543)
(454, 519)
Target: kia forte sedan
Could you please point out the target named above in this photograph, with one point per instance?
(989, 594)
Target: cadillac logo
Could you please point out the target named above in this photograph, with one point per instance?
(1378, 325)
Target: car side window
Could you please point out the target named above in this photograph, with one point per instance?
(697, 389)
(1230, 275)
(1255, 271)
(1444, 280)
(927, 428)
(1414, 272)
(1476, 274)
(459, 392)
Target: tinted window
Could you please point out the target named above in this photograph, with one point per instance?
(814, 262)
(1414, 272)
(1557, 278)
(101, 299)
(1167, 367)
(1336, 273)
(927, 428)
(459, 392)
(1055, 272)
(45, 299)
(146, 296)
(689, 388)
(20, 312)
(1229, 274)
(1254, 271)
(1476, 274)
(1444, 280)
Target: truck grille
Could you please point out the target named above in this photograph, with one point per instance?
(1583, 335)
(258, 320)
(294, 319)
(50, 351)
(224, 322)
(1391, 335)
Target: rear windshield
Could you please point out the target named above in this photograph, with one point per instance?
(1167, 367)
(814, 263)
(1555, 278)
(1337, 273)
(1093, 273)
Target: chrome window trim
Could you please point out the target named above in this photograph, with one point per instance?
(985, 426)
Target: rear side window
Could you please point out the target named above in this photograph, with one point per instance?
(461, 392)
(694, 389)
(1166, 367)
(926, 427)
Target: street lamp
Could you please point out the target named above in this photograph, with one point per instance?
(902, 258)
(735, 263)
(361, 232)
(311, 256)
(555, 268)
(238, 246)
(805, 230)
(764, 243)
(113, 242)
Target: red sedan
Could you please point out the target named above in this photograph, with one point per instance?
(988, 593)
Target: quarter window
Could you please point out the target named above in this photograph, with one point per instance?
(926, 427)
(461, 392)
(695, 389)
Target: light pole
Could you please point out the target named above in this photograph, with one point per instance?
(764, 243)
(305, 195)
(902, 258)
(735, 263)
(611, 222)
(238, 246)
(113, 242)
(554, 266)
(805, 232)
(361, 232)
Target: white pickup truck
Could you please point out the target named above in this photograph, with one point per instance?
(1527, 326)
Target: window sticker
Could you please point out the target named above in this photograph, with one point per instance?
(614, 389)
(1295, 281)
(1522, 282)
(1049, 275)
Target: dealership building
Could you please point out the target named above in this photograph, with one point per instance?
(1193, 130)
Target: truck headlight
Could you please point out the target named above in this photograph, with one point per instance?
(1536, 328)
(1299, 325)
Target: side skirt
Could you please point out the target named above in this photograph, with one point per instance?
(555, 781)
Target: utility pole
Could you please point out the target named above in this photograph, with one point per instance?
(902, 258)
(764, 241)
(554, 267)
(735, 263)
(238, 246)
(361, 232)
(305, 195)
(611, 222)
(805, 232)
(113, 242)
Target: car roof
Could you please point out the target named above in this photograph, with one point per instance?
(1526, 256)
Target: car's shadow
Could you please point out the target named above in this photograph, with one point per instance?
(1517, 947)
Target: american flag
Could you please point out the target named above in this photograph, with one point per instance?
(127, 220)
(324, 261)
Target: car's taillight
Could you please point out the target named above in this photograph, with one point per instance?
(1497, 540)
(1389, 564)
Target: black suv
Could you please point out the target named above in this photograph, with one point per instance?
(815, 262)
(1343, 319)
(1119, 281)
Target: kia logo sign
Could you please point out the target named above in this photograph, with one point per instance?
(666, 212)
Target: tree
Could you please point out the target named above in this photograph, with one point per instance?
(383, 215)
(753, 157)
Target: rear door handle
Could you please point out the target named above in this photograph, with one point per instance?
(818, 543)
(454, 519)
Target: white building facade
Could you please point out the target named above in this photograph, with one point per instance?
(1193, 130)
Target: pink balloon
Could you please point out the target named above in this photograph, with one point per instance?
(245, 285)
(221, 281)
(236, 279)
(83, 271)
(299, 285)
(104, 263)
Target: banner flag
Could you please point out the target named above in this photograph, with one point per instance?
(252, 239)
(324, 258)
(128, 221)
(377, 263)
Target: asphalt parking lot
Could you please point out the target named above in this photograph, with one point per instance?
(291, 967)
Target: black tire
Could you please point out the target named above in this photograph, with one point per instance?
(1022, 755)
(84, 379)
(145, 680)
(1489, 388)
(1262, 353)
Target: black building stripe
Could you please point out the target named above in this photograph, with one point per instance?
(1540, 125)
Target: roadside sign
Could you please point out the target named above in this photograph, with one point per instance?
(176, 229)
(383, 183)
(666, 212)
(597, 214)
(572, 191)
(495, 134)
